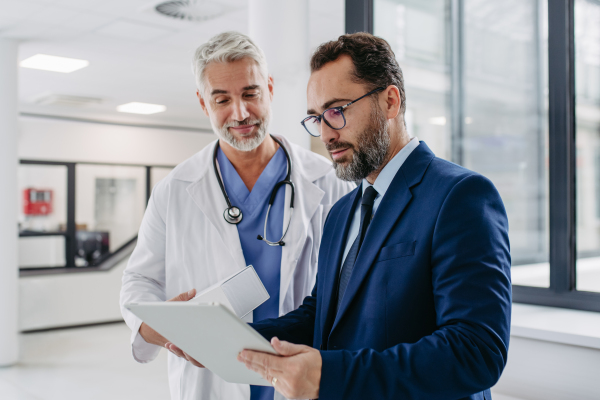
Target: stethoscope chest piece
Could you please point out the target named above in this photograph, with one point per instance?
(233, 215)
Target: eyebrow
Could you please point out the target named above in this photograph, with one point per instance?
(221, 91)
(328, 104)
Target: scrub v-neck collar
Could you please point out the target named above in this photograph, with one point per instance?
(236, 188)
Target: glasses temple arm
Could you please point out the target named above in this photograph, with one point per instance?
(361, 97)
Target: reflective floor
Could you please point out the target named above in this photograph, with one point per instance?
(91, 363)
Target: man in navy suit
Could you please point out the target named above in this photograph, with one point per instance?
(413, 293)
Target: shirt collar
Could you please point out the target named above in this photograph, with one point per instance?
(387, 174)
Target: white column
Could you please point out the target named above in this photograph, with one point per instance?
(9, 272)
(280, 28)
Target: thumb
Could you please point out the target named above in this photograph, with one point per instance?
(285, 348)
(185, 296)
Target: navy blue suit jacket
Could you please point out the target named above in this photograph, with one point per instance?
(426, 314)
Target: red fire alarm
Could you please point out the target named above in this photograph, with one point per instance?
(37, 201)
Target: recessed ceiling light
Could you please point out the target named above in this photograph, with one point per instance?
(141, 108)
(54, 63)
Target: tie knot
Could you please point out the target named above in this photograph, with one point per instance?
(368, 197)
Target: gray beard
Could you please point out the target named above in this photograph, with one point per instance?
(370, 151)
(248, 144)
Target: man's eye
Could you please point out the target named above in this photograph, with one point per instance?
(251, 95)
(221, 101)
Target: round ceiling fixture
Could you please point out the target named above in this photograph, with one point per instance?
(191, 10)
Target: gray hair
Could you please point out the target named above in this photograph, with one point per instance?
(226, 47)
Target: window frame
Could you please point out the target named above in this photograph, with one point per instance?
(561, 141)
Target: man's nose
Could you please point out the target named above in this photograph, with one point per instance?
(328, 135)
(240, 111)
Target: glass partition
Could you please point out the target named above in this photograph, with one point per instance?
(42, 198)
(80, 214)
(110, 204)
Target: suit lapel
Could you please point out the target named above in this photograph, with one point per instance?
(395, 200)
(305, 207)
(334, 259)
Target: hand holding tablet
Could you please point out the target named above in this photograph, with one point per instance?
(210, 333)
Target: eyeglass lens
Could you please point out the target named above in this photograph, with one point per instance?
(333, 116)
(313, 126)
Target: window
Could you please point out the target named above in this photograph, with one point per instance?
(587, 95)
(511, 89)
(476, 94)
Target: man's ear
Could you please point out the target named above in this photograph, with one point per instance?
(271, 86)
(202, 102)
(393, 102)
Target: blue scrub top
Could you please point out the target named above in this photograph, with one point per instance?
(265, 259)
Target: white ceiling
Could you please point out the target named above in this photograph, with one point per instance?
(135, 54)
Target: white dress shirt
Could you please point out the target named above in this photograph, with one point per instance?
(381, 185)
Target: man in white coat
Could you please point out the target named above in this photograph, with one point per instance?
(186, 245)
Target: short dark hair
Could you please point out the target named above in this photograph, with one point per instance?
(374, 61)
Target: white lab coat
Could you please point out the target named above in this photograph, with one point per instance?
(185, 243)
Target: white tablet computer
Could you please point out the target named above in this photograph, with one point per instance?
(210, 333)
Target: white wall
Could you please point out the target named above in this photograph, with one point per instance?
(82, 298)
(542, 370)
(49, 139)
(49, 301)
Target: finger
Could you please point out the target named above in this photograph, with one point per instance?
(282, 387)
(261, 360)
(262, 371)
(175, 350)
(193, 361)
(286, 348)
(185, 296)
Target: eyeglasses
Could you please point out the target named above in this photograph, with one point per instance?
(333, 117)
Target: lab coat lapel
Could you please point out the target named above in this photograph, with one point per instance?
(207, 195)
(333, 259)
(395, 200)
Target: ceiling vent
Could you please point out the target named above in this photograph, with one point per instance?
(191, 10)
(53, 99)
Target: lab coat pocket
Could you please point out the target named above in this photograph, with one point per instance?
(397, 250)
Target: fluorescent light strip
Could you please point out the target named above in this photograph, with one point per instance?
(141, 108)
(54, 63)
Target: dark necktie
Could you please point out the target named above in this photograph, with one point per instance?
(366, 211)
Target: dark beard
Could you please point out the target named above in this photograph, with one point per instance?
(373, 145)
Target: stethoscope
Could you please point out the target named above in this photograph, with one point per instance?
(233, 214)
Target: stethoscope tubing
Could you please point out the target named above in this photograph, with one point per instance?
(233, 215)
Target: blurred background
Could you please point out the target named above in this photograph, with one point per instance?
(508, 88)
